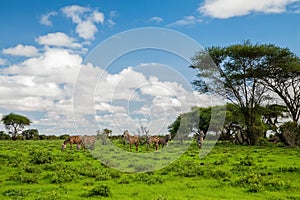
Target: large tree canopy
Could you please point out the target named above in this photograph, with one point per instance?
(282, 76)
(15, 123)
(241, 73)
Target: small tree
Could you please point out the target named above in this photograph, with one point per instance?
(15, 123)
(31, 134)
(4, 136)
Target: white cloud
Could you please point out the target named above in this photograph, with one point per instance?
(186, 20)
(231, 8)
(86, 30)
(102, 106)
(156, 19)
(97, 17)
(85, 20)
(75, 12)
(3, 61)
(55, 65)
(112, 15)
(45, 19)
(21, 50)
(58, 39)
(121, 100)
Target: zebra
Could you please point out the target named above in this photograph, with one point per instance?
(131, 139)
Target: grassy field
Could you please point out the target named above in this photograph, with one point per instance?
(40, 170)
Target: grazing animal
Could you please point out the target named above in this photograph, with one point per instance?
(200, 138)
(164, 141)
(72, 140)
(88, 141)
(152, 140)
(131, 139)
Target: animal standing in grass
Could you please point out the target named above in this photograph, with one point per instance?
(200, 138)
(72, 140)
(152, 140)
(131, 139)
(88, 141)
(164, 141)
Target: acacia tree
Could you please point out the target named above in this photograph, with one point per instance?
(15, 123)
(282, 76)
(232, 72)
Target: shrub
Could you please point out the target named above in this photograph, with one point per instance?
(220, 174)
(161, 198)
(100, 190)
(61, 177)
(32, 169)
(89, 183)
(289, 169)
(124, 180)
(276, 184)
(247, 161)
(15, 193)
(41, 157)
(251, 181)
(24, 178)
(145, 178)
(290, 133)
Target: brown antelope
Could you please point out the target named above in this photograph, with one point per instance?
(164, 141)
(72, 140)
(131, 139)
(152, 140)
(88, 141)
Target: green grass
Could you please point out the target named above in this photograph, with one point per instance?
(40, 170)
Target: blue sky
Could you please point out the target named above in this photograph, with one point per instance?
(44, 45)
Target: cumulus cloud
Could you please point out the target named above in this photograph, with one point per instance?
(21, 50)
(120, 100)
(86, 30)
(45, 19)
(55, 65)
(58, 39)
(231, 8)
(186, 20)
(85, 19)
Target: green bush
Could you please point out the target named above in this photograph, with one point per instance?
(290, 133)
(100, 190)
(149, 179)
(41, 157)
(247, 161)
(15, 193)
(24, 178)
(62, 177)
(32, 169)
(289, 169)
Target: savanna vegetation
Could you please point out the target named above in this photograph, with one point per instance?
(40, 170)
(256, 157)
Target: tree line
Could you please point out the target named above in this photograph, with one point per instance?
(250, 76)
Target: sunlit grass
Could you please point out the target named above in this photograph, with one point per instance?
(40, 170)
